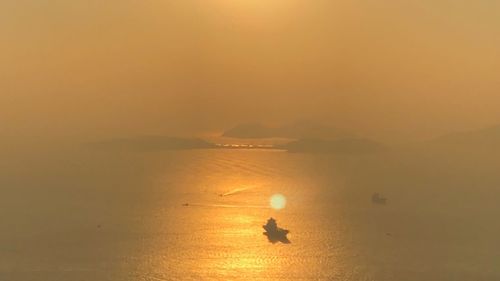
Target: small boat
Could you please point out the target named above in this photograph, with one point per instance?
(377, 199)
(274, 233)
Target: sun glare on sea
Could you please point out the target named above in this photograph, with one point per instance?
(278, 201)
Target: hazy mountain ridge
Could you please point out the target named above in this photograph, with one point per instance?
(153, 143)
(297, 130)
(344, 145)
(488, 136)
(469, 141)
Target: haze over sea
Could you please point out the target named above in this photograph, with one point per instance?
(144, 140)
(83, 214)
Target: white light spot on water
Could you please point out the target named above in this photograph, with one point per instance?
(278, 201)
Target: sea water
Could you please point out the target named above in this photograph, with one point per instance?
(198, 215)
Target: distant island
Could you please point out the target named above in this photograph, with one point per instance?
(487, 137)
(147, 143)
(297, 130)
(347, 145)
(153, 143)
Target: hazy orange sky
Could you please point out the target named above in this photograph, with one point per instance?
(386, 69)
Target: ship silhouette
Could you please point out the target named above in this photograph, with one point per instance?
(274, 233)
(377, 199)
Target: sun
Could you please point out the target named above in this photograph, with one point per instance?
(277, 201)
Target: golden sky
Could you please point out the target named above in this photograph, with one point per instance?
(387, 69)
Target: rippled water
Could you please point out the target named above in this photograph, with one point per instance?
(121, 216)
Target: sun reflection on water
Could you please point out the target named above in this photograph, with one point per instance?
(219, 234)
(240, 242)
(278, 201)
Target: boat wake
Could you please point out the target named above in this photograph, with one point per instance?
(224, 206)
(236, 191)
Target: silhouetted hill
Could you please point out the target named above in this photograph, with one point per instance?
(250, 131)
(480, 138)
(346, 145)
(298, 130)
(153, 143)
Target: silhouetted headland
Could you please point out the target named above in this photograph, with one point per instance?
(153, 143)
(347, 145)
(487, 137)
(274, 233)
(297, 130)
